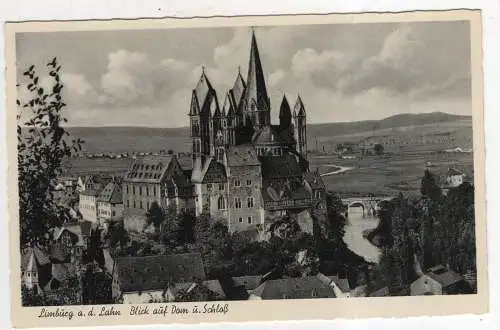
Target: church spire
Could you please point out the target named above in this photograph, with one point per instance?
(256, 86)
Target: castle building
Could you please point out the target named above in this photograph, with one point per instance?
(243, 168)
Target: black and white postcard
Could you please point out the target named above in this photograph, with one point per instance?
(246, 168)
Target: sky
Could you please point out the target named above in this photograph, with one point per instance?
(343, 72)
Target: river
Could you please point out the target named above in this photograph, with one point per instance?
(355, 226)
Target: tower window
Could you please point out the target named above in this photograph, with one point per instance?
(249, 182)
(249, 220)
(237, 203)
(237, 183)
(250, 202)
(221, 187)
(240, 219)
(221, 203)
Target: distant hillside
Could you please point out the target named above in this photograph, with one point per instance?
(137, 139)
(401, 120)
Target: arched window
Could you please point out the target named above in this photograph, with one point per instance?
(250, 202)
(237, 203)
(221, 203)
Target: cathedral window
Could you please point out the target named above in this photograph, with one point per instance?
(249, 220)
(237, 203)
(221, 187)
(237, 183)
(240, 219)
(249, 182)
(140, 204)
(250, 202)
(221, 203)
(133, 190)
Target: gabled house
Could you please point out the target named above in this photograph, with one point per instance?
(35, 269)
(440, 280)
(310, 287)
(110, 202)
(142, 279)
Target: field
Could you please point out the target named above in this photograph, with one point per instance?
(410, 141)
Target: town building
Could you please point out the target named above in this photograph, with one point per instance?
(155, 179)
(440, 280)
(308, 287)
(454, 177)
(148, 279)
(110, 202)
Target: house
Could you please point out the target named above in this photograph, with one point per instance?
(36, 269)
(88, 203)
(454, 177)
(110, 202)
(309, 287)
(142, 279)
(340, 286)
(440, 280)
(154, 179)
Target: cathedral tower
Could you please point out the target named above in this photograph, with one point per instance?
(299, 124)
(256, 102)
(203, 105)
(285, 114)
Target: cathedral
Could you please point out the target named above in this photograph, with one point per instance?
(243, 170)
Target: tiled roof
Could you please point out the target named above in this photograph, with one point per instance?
(155, 272)
(38, 256)
(112, 193)
(94, 190)
(276, 167)
(185, 162)
(250, 282)
(294, 288)
(314, 180)
(202, 89)
(268, 136)
(242, 155)
(238, 91)
(214, 172)
(444, 276)
(59, 253)
(274, 193)
(256, 85)
(454, 171)
(63, 271)
(148, 169)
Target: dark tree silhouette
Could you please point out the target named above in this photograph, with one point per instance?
(42, 147)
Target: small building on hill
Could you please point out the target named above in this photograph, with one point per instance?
(440, 280)
(145, 279)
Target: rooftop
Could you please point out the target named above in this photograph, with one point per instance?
(148, 169)
(294, 288)
(138, 274)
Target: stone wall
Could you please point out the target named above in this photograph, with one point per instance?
(245, 182)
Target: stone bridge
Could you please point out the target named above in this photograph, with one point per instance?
(369, 204)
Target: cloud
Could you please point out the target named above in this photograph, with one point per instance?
(276, 77)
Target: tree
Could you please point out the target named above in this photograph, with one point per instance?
(42, 147)
(186, 223)
(429, 187)
(155, 215)
(378, 149)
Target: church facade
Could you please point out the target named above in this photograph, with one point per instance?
(243, 169)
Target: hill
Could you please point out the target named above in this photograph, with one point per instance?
(143, 139)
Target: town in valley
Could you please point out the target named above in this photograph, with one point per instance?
(237, 206)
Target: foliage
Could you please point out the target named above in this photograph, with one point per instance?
(42, 147)
(117, 235)
(378, 149)
(155, 215)
(435, 229)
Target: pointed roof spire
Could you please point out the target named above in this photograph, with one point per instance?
(256, 85)
(285, 113)
(299, 108)
(227, 108)
(203, 87)
(238, 89)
